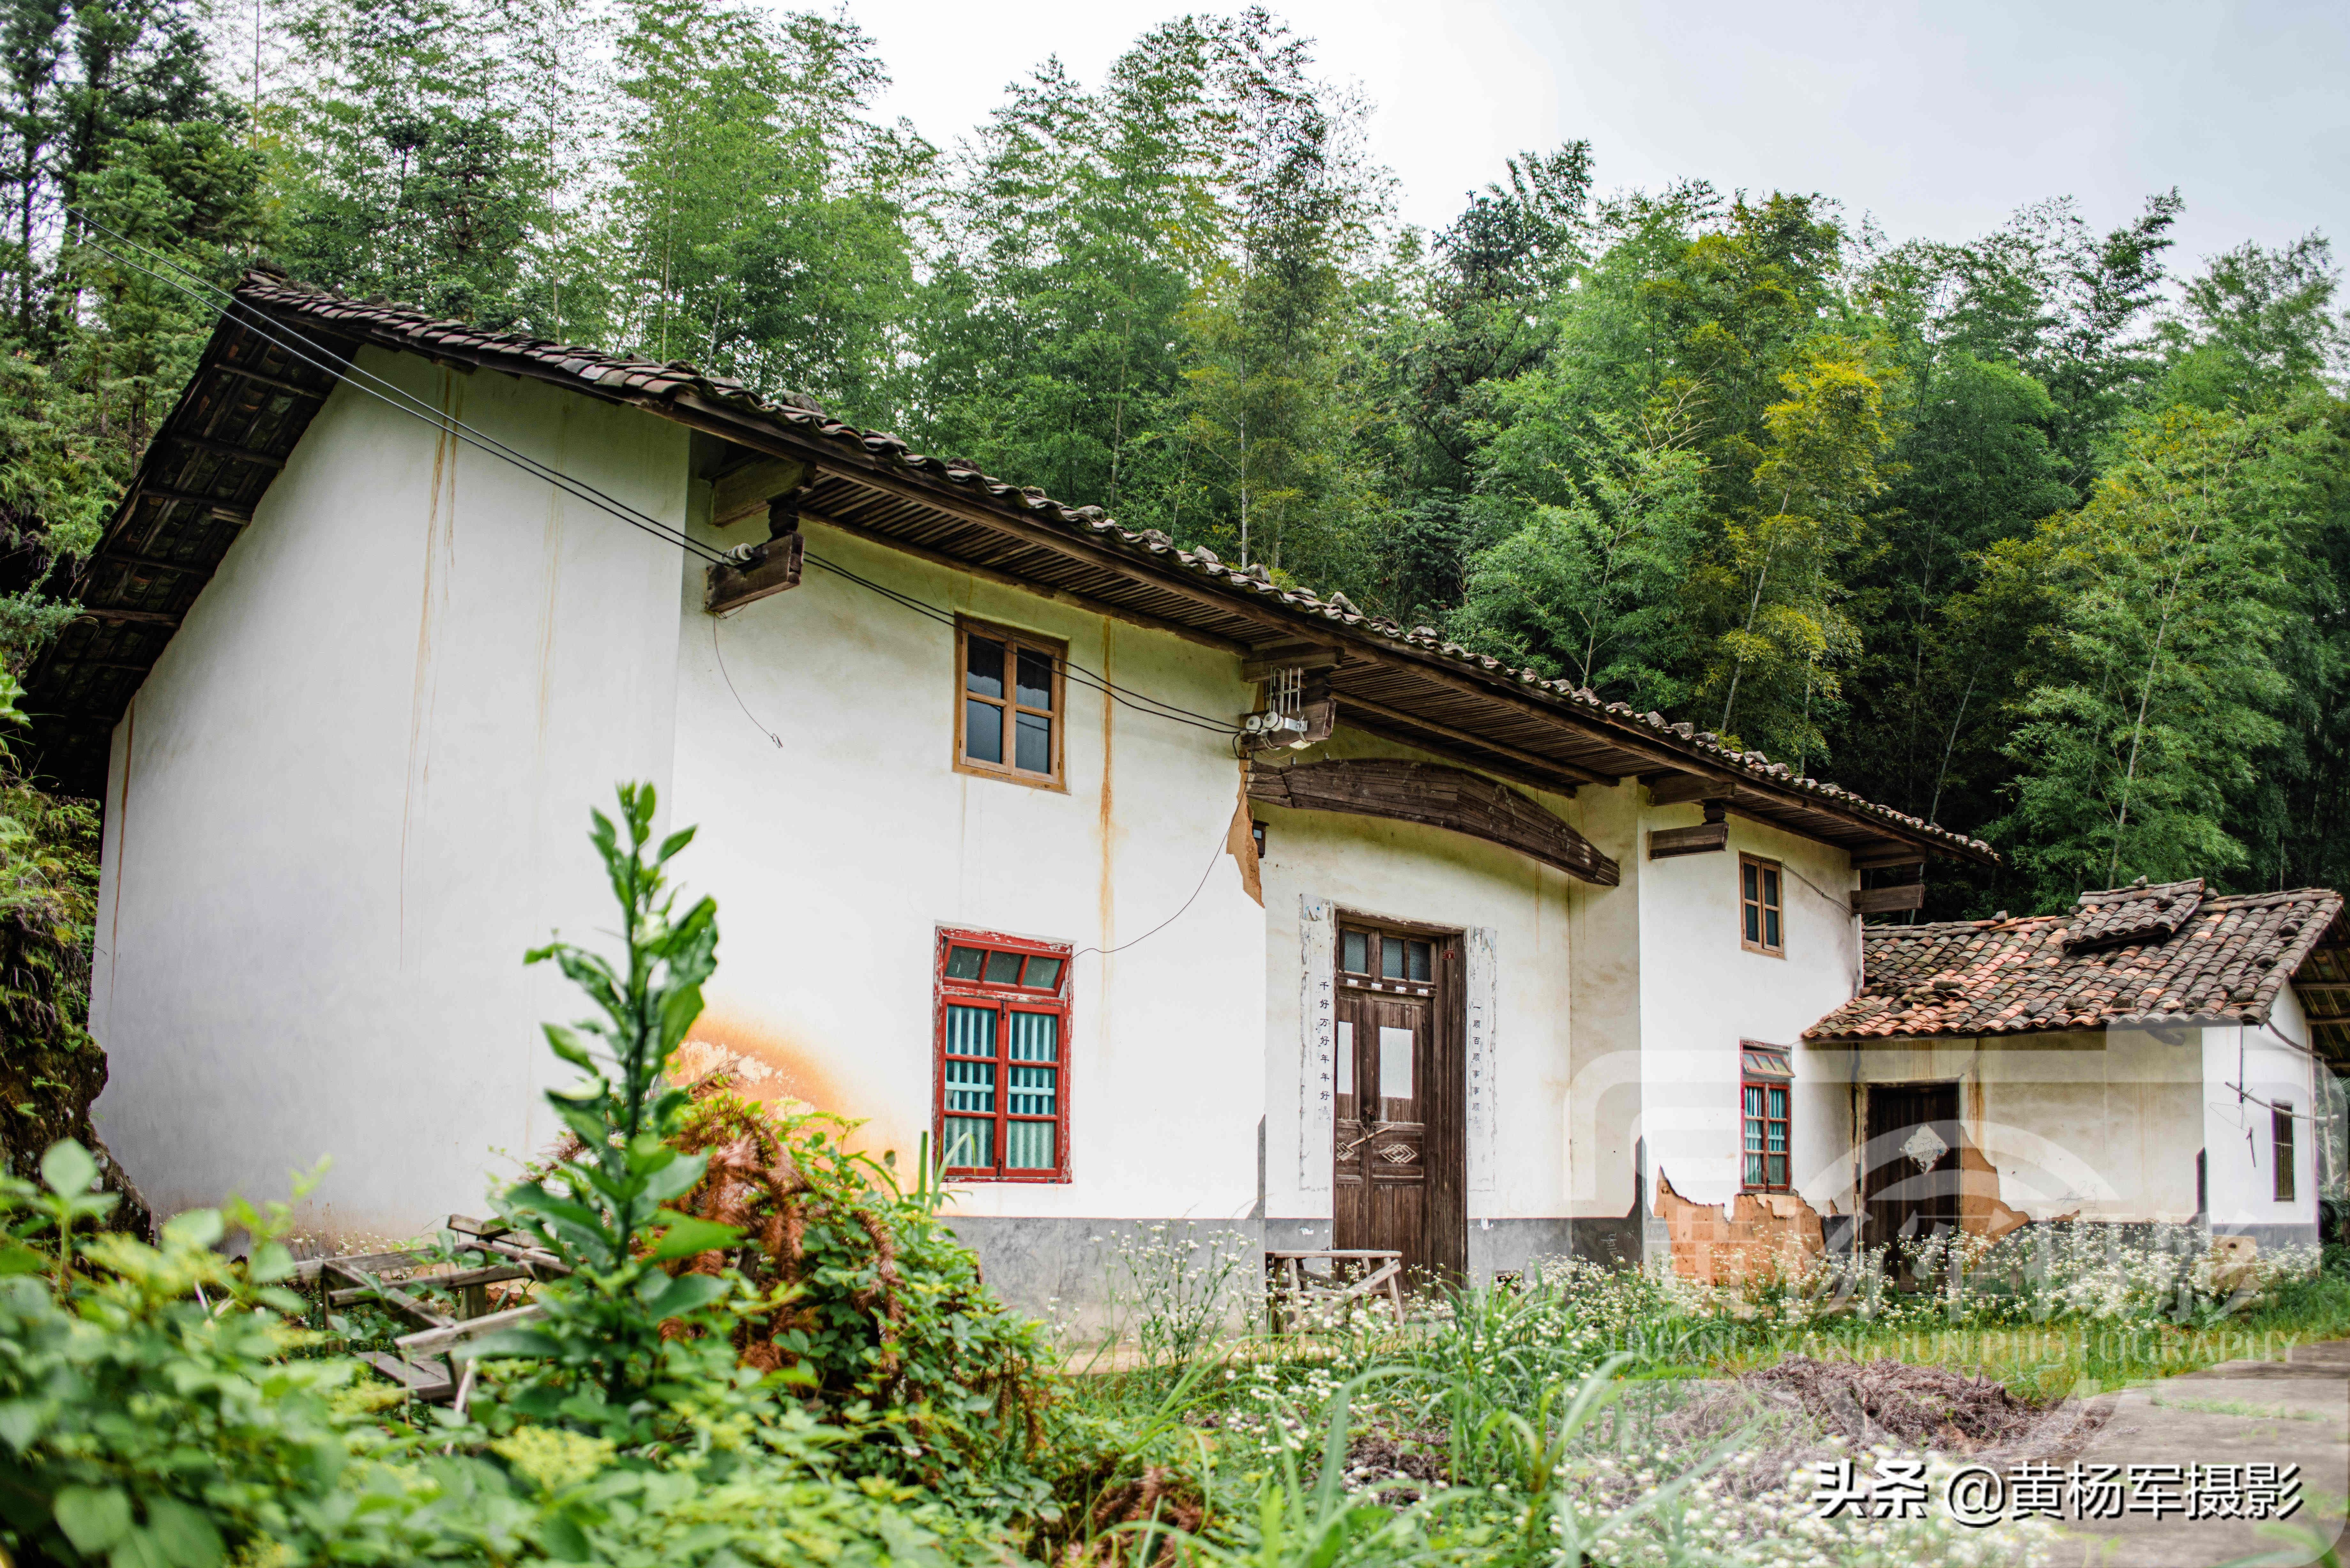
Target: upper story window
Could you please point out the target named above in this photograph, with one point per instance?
(1000, 1104)
(1761, 912)
(1009, 703)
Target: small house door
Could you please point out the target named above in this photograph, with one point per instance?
(1397, 1148)
(1911, 1164)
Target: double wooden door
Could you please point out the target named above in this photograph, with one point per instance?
(1396, 1150)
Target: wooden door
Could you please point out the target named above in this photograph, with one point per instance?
(1397, 1145)
(1912, 1164)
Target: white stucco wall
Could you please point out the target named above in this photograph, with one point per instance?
(836, 859)
(1701, 992)
(355, 789)
(2237, 1133)
(2085, 1124)
(1405, 871)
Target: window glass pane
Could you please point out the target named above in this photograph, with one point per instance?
(1779, 1104)
(1778, 1171)
(1004, 969)
(1346, 1057)
(1747, 872)
(1778, 1144)
(982, 731)
(971, 1085)
(1755, 1171)
(1035, 1037)
(1770, 925)
(1395, 1064)
(1753, 924)
(1390, 959)
(1028, 1145)
(1753, 1102)
(971, 1030)
(1357, 949)
(1035, 673)
(1753, 1135)
(962, 963)
(1771, 887)
(1029, 1091)
(1043, 973)
(969, 1140)
(984, 667)
(1032, 744)
(1422, 961)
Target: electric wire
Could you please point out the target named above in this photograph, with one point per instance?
(1220, 852)
(269, 331)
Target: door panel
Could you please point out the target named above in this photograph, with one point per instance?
(1911, 1164)
(1392, 1144)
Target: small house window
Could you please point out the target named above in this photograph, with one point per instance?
(1383, 955)
(1001, 1108)
(1761, 913)
(1009, 704)
(1765, 1123)
(2280, 1148)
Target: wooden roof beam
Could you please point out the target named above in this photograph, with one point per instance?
(1564, 770)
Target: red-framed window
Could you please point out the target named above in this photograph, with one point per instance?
(1765, 1120)
(1001, 1108)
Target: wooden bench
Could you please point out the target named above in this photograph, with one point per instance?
(420, 1362)
(1357, 1275)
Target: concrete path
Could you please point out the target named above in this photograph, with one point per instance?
(2290, 1412)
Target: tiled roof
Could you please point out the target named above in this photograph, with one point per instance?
(2132, 915)
(2181, 955)
(1639, 743)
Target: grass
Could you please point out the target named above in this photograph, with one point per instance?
(1561, 1414)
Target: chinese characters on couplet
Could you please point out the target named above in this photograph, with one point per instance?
(1980, 1495)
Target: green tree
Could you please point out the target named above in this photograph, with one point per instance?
(2153, 689)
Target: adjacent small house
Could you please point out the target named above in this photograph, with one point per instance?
(1127, 885)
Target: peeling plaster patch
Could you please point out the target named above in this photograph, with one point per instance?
(1759, 1236)
(775, 1067)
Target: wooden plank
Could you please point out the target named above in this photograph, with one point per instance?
(1011, 579)
(1888, 860)
(1270, 658)
(1680, 789)
(426, 1342)
(225, 449)
(1888, 901)
(283, 385)
(771, 569)
(130, 617)
(1706, 837)
(1567, 771)
(1525, 778)
(426, 1381)
(1435, 796)
(149, 564)
(235, 510)
(743, 491)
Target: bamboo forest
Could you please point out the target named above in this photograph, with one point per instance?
(2041, 534)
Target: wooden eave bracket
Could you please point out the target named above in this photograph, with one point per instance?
(753, 572)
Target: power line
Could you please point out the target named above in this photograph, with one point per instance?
(403, 401)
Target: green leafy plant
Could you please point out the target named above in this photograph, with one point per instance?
(601, 1345)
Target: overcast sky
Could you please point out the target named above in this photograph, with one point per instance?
(1936, 120)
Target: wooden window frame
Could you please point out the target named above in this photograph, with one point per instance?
(1745, 1083)
(1054, 1000)
(1761, 906)
(1014, 639)
(2283, 1154)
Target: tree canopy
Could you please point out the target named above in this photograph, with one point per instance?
(2035, 534)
